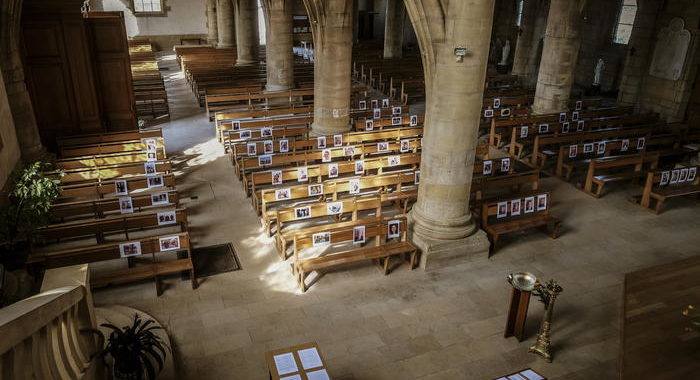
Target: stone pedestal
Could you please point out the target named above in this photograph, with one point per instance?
(247, 35)
(279, 56)
(213, 32)
(332, 22)
(224, 24)
(440, 253)
(561, 46)
(393, 29)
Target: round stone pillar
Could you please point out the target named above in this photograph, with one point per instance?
(525, 38)
(559, 55)
(332, 29)
(213, 35)
(224, 24)
(393, 29)
(247, 35)
(278, 55)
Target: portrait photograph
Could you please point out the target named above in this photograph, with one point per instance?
(332, 170)
(349, 151)
(268, 148)
(276, 177)
(302, 212)
(579, 105)
(394, 161)
(505, 112)
(574, 116)
(360, 167)
(488, 167)
(501, 210)
(377, 113)
(665, 177)
(580, 125)
(414, 120)
(334, 208)
(154, 181)
(565, 127)
(363, 105)
(674, 176)
(683, 176)
(167, 217)
(625, 145)
(383, 147)
(404, 146)
(284, 146)
(151, 156)
(320, 239)
(588, 148)
(303, 174)
(252, 149)
(691, 173)
(151, 145)
(369, 125)
(393, 229)
(529, 205)
(488, 113)
(641, 143)
(245, 134)
(573, 151)
(236, 125)
(264, 160)
(130, 249)
(149, 168)
(125, 205)
(354, 186)
(505, 165)
(337, 140)
(562, 117)
(496, 103)
(169, 243)
(358, 235)
(326, 155)
(396, 110)
(544, 128)
(321, 142)
(282, 194)
(385, 103)
(120, 187)
(375, 103)
(396, 120)
(160, 198)
(266, 132)
(523, 131)
(601, 147)
(515, 207)
(541, 202)
(316, 189)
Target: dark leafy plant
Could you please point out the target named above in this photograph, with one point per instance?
(134, 349)
(29, 202)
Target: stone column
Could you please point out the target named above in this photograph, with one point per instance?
(533, 59)
(213, 36)
(525, 40)
(280, 40)
(224, 24)
(393, 29)
(247, 35)
(331, 23)
(442, 225)
(561, 45)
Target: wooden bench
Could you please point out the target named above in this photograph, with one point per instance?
(122, 146)
(616, 168)
(500, 217)
(381, 252)
(99, 208)
(663, 184)
(100, 189)
(109, 172)
(93, 161)
(149, 247)
(107, 137)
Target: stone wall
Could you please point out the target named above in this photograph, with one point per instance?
(9, 147)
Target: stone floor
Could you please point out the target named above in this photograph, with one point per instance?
(442, 324)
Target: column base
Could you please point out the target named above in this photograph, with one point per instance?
(224, 46)
(320, 130)
(438, 253)
(276, 88)
(245, 62)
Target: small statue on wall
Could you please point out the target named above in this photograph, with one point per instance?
(506, 54)
(597, 76)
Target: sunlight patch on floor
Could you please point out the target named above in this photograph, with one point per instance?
(204, 152)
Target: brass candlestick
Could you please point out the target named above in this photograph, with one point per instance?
(548, 293)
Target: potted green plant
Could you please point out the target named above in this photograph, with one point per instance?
(134, 349)
(26, 207)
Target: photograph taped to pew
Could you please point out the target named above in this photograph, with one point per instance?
(316, 189)
(414, 120)
(326, 155)
(393, 229)
(369, 125)
(385, 103)
(265, 160)
(565, 127)
(588, 148)
(332, 170)
(149, 168)
(354, 186)
(674, 176)
(405, 146)
(601, 147)
(302, 212)
(502, 210)
(265, 132)
(363, 105)
(150, 145)
(529, 205)
(377, 113)
(284, 146)
(245, 134)
(691, 173)
(396, 110)
(282, 194)
(276, 177)
(505, 165)
(394, 161)
(523, 131)
(160, 198)
(337, 140)
(349, 151)
(641, 143)
(624, 145)
(359, 235)
(580, 125)
(382, 147)
(574, 116)
(268, 147)
(505, 112)
(302, 174)
(166, 217)
(252, 149)
(515, 207)
(665, 177)
(120, 187)
(236, 125)
(396, 120)
(169, 243)
(375, 103)
(126, 206)
(497, 103)
(544, 128)
(541, 202)
(321, 142)
(683, 175)
(488, 167)
(334, 208)
(321, 239)
(154, 181)
(579, 105)
(360, 167)
(130, 249)
(488, 113)
(573, 151)
(562, 117)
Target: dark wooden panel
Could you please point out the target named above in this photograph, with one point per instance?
(79, 57)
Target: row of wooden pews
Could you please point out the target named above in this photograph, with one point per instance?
(149, 89)
(118, 210)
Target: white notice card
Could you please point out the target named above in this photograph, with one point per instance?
(285, 363)
(318, 375)
(293, 377)
(310, 358)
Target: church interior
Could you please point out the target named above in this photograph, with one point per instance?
(349, 189)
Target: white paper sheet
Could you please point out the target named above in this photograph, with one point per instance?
(318, 375)
(516, 377)
(285, 363)
(293, 377)
(532, 375)
(310, 358)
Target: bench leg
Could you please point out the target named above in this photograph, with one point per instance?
(386, 265)
(492, 247)
(159, 286)
(659, 204)
(555, 230)
(193, 279)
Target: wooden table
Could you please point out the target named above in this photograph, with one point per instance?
(654, 343)
(305, 366)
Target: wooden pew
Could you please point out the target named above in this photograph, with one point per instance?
(123, 146)
(111, 251)
(499, 217)
(93, 161)
(108, 172)
(107, 137)
(616, 168)
(100, 189)
(99, 208)
(663, 184)
(381, 251)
